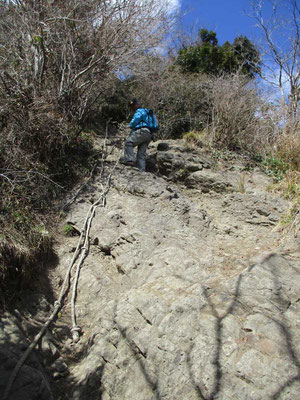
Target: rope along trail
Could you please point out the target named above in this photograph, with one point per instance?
(82, 250)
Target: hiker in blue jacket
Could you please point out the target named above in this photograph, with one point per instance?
(139, 136)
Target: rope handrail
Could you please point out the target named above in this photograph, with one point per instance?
(59, 302)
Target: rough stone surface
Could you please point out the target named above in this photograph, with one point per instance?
(207, 181)
(189, 291)
(176, 161)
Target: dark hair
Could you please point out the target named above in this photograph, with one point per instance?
(133, 102)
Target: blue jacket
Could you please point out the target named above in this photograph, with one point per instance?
(139, 119)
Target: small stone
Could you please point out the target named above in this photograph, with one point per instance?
(163, 147)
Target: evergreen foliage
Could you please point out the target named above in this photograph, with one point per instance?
(206, 56)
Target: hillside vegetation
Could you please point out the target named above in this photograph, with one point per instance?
(69, 68)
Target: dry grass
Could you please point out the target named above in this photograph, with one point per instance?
(195, 139)
(288, 150)
(241, 183)
(289, 188)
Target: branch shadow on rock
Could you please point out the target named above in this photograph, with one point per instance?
(218, 334)
(26, 310)
(271, 263)
(282, 323)
(92, 388)
(140, 357)
(32, 381)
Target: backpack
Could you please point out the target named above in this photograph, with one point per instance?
(152, 122)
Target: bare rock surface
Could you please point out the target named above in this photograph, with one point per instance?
(188, 291)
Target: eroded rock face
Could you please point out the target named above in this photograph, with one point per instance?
(187, 292)
(179, 163)
(173, 300)
(207, 181)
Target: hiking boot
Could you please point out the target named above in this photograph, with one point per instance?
(129, 163)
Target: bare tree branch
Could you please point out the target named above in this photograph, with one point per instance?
(285, 57)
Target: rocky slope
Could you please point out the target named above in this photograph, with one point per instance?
(188, 291)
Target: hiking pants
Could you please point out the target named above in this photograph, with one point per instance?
(140, 138)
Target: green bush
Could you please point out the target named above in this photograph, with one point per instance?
(206, 56)
(275, 167)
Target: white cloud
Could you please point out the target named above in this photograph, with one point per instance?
(169, 5)
(173, 5)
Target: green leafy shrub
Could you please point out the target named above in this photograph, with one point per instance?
(275, 167)
(70, 230)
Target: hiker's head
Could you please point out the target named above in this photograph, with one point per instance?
(134, 104)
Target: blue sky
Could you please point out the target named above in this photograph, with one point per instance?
(226, 17)
(230, 18)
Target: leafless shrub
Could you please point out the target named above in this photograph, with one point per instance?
(228, 110)
(237, 120)
(288, 149)
(61, 53)
(58, 59)
(180, 101)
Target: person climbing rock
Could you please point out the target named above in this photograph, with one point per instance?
(142, 125)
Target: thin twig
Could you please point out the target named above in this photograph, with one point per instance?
(7, 178)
